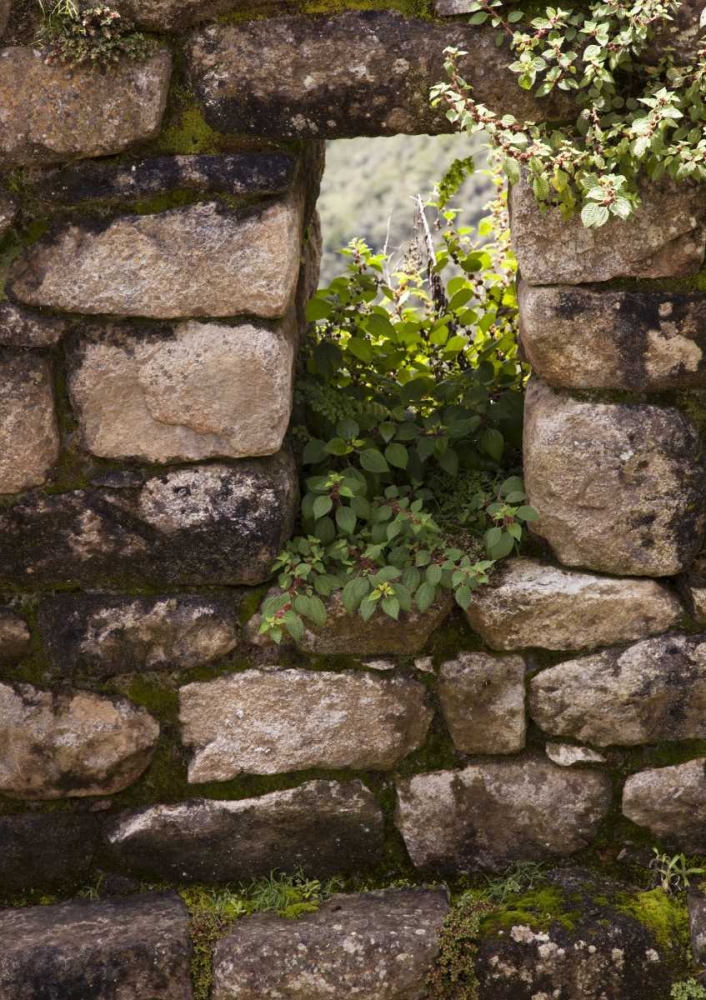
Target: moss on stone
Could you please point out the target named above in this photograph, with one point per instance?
(189, 133)
(539, 909)
(665, 915)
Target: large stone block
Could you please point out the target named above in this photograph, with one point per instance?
(671, 803)
(103, 636)
(123, 949)
(199, 260)
(51, 851)
(51, 113)
(530, 603)
(586, 338)
(351, 74)
(323, 828)
(666, 238)
(483, 701)
(377, 945)
(55, 746)
(23, 328)
(618, 488)
(210, 524)
(272, 722)
(29, 435)
(174, 15)
(648, 693)
(489, 815)
(199, 390)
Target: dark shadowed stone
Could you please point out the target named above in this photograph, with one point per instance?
(103, 635)
(47, 851)
(4, 14)
(209, 524)
(648, 693)
(52, 113)
(8, 210)
(323, 828)
(234, 174)
(377, 945)
(618, 488)
(489, 815)
(127, 949)
(23, 328)
(352, 74)
(697, 920)
(174, 15)
(14, 637)
(28, 425)
(483, 701)
(692, 586)
(586, 338)
(671, 803)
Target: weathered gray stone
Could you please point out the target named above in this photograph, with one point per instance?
(174, 15)
(378, 945)
(697, 920)
(14, 636)
(272, 722)
(124, 949)
(488, 815)
(671, 803)
(483, 701)
(51, 113)
(648, 693)
(532, 603)
(291, 77)
(54, 851)
(212, 524)
(23, 328)
(28, 428)
(103, 636)
(589, 338)
(323, 828)
(617, 487)
(199, 260)
(8, 207)
(199, 390)
(70, 745)
(666, 238)
(566, 755)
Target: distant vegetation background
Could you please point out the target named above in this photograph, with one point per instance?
(369, 185)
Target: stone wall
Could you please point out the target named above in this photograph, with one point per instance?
(159, 241)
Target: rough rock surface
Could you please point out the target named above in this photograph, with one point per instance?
(671, 803)
(488, 815)
(617, 488)
(650, 692)
(4, 14)
(323, 828)
(697, 918)
(8, 210)
(483, 701)
(693, 588)
(666, 238)
(103, 636)
(212, 524)
(23, 328)
(14, 637)
(292, 77)
(200, 390)
(199, 260)
(272, 722)
(566, 755)
(532, 603)
(174, 15)
(52, 114)
(123, 949)
(28, 426)
(71, 745)
(590, 338)
(48, 850)
(377, 945)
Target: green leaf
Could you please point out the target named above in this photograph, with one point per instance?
(493, 443)
(396, 454)
(367, 609)
(345, 519)
(294, 625)
(348, 429)
(594, 215)
(314, 452)
(354, 592)
(449, 462)
(312, 608)
(322, 505)
(318, 308)
(373, 461)
(391, 607)
(325, 530)
(503, 547)
(526, 513)
(463, 597)
(433, 574)
(425, 596)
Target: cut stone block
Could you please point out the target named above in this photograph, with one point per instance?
(124, 949)
(671, 803)
(14, 637)
(530, 603)
(23, 328)
(322, 828)
(483, 701)
(651, 692)
(104, 636)
(200, 390)
(53, 850)
(199, 260)
(377, 945)
(58, 746)
(618, 488)
(273, 722)
(29, 435)
(51, 113)
(490, 815)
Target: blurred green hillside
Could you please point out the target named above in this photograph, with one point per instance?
(370, 183)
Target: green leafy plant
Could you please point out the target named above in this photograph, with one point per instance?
(639, 114)
(453, 976)
(78, 34)
(521, 877)
(675, 872)
(688, 989)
